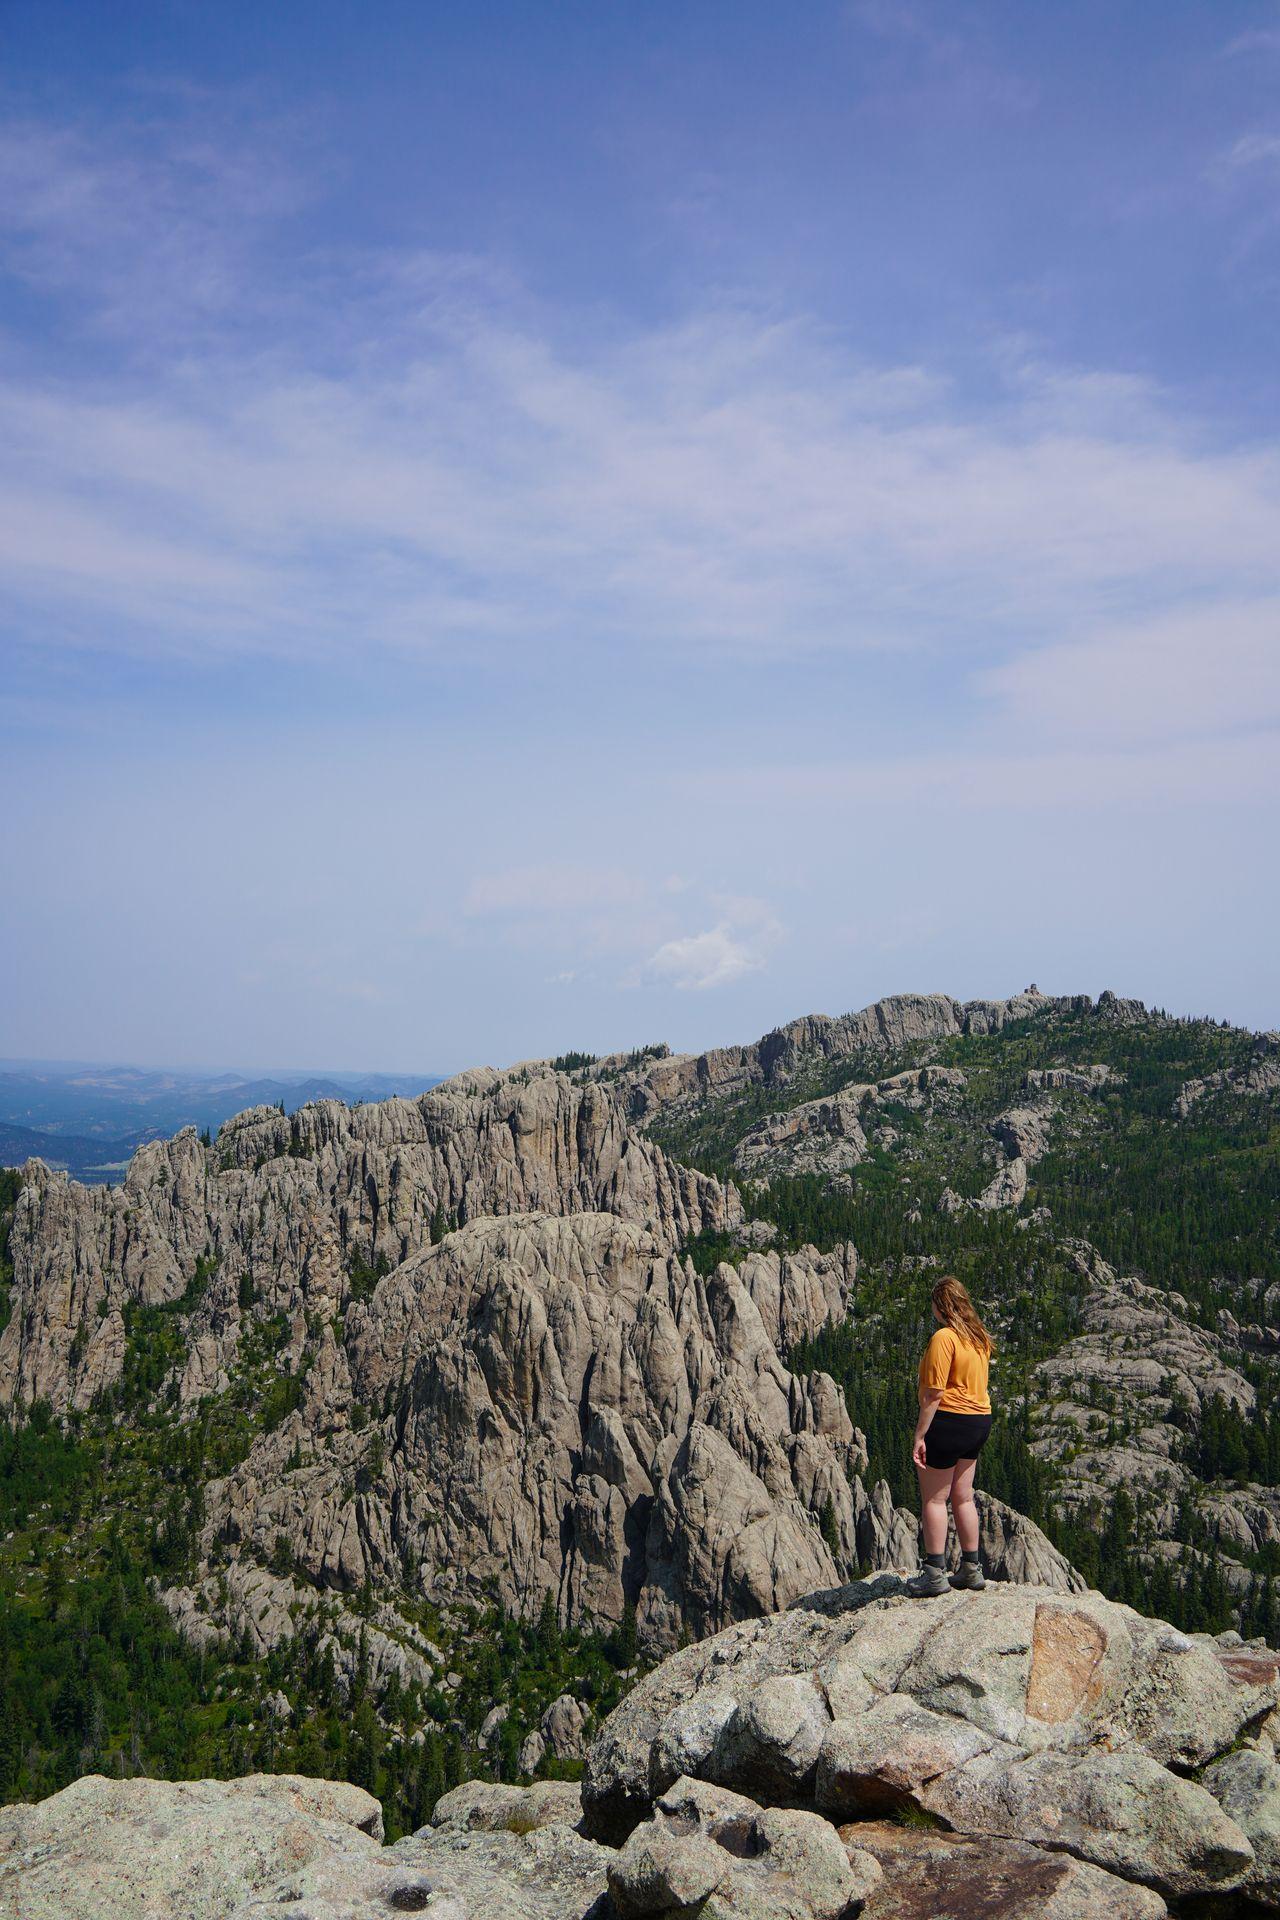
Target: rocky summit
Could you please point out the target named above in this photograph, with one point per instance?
(1013, 1752)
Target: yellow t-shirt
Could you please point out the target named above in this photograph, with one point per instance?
(960, 1369)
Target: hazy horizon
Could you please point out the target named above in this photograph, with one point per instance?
(202, 1067)
(527, 530)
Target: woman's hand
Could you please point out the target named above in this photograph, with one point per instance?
(918, 1453)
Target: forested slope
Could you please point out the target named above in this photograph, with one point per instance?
(1149, 1450)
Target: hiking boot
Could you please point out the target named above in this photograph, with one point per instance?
(929, 1583)
(969, 1577)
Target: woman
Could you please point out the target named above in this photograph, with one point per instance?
(955, 1419)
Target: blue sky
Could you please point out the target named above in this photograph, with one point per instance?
(539, 526)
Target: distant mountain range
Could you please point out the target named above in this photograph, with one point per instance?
(89, 1119)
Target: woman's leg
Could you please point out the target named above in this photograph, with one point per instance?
(935, 1483)
(963, 1510)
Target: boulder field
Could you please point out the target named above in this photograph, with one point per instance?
(1015, 1752)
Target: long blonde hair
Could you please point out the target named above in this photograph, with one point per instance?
(956, 1310)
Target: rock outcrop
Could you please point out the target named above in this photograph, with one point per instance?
(190, 1850)
(1051, 1724)
(719, 1855)
(563, 1405)
(283, 1848)
(571, 1410)
(1006, 1188)
(1091, 1079)
(1010, 1754)
(830, 1135)
(1024, 1132)
(1260, 1076)
(1114, 1403)
(818, 1136)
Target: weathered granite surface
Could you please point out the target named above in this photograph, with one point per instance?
(1059, 1758)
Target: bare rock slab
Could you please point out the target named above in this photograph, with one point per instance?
(1121, 1811)
(1246, 1785)
(1058, 1720)
(449, 1874)
(187, 1850)
(486, 1807)
(928, 1874)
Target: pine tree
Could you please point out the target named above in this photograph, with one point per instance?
(546, 1636)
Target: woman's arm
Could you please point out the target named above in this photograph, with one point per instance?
(930, 1400)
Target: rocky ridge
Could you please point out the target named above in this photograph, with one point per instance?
(676, 1081)
(279, 1207)
(507, 1378)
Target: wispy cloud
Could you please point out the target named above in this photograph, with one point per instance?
(974, 78)
(442, 465)
(169, 244)
(929, 646)
(1010, 781)
(573, 912)
(729, 484)
(1252, 150)
(1190, 675)
(1255, 40)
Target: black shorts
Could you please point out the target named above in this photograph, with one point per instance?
(955, 1436)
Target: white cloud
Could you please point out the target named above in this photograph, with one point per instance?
(710, 959)
(738, 944)
(558, 908)
(163, 242)
(579, 910)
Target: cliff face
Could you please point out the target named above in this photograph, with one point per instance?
(561, 1405)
